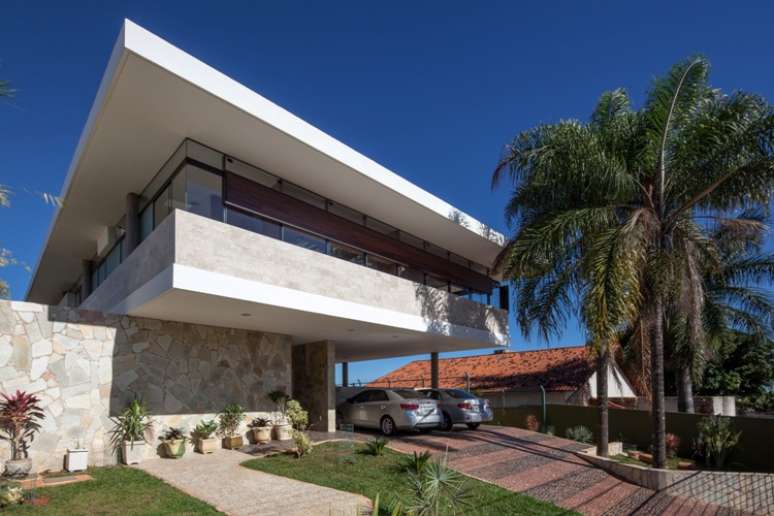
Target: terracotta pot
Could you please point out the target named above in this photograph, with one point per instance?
(282, 432)
(208, 445)
(174, 449)
(261, 434)
(132, 452)
(233, 443)
(17, 468)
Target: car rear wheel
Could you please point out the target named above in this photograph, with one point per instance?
(473, 426)
(387, 426)
(447, 423)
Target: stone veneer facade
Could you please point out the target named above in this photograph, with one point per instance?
(85, 367)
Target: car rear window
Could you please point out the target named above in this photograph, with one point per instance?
(409, 394)
(460, 394)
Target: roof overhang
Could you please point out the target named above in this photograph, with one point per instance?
(153, 95)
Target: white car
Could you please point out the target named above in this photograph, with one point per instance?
(390, 410)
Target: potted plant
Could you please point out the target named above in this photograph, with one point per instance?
(203, 436)
(282, 428)
(260, 427)
(173, 442)
(228, 424)
(20, 417)
(77, 459)
(128, 434)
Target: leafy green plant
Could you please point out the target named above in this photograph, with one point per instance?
(131, 425)
(437, 490)
(280, 399)
(717, 439)
(205, 429)
(20, 416)
(230, 419)
(11, 493)
(259, 422)
(303, 443)
(416, 463)
(580, 433)
(173, 434)
(298, 417)
(376, 447)
(379, 509)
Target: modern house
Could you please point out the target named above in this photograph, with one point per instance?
(212, 246)
(512, 379)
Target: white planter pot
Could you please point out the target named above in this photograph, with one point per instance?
(77, 460)
(132, 452)
(282, 432)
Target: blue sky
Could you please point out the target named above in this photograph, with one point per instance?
(432, 90)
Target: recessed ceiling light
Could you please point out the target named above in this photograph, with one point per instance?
(350, 329)
(394, 336)
(245, 314)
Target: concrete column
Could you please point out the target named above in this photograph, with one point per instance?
(132, 235)
(434, 383)
(345, 374)
(86, 282)
(314, 383)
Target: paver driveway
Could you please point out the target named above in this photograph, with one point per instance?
(219, 480)
(544, 467)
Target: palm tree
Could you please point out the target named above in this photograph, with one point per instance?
(609, 214)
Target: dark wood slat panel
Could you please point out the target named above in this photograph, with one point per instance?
(241, 192)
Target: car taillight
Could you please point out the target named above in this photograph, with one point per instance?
(465, 406)
(409, 406)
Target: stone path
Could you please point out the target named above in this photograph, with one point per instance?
(544, 467)
(219, 480)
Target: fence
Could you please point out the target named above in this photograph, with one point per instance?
(755, 450)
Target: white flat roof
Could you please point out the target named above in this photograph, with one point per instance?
(153, 95)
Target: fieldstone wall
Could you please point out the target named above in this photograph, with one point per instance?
(86, 366)
(314, 384)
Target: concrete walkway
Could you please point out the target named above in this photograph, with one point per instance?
(544, 467)
(219, 480)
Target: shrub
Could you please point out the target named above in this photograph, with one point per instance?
(302, 442)
(205, 429)
(11, 493)
(297, 416)
(580, 433)
(672, 445)
(259, 422)
(173, 434)
(20, 417)
(532, 423)
(376, 447)
(415, 463)
(230, 419)
(280, 399)
(437, 489)
(131, 424)
(716, 440)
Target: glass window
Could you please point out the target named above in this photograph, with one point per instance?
(161, 206)
(303, 194)
(163, 175)
(303, 239)
(346, 253)
(381, 264)
(346, 213)
(378, 396)
(94, 279)
(101, 273)
(436, 282)
(146, 222)
(409, 394)
(254, 223)
(204, 193)
(113, 259)
(459, 394)
(204, 154)
(433, 395)
(410, 274)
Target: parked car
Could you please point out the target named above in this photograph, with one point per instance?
(459, 406)
(390, 410)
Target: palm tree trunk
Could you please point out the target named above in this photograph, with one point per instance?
(685, 389)
(603, 360)
(657, 387)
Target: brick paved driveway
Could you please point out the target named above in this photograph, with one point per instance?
(544, 467)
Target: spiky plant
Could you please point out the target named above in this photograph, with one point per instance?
(613, 218)
(20, 417)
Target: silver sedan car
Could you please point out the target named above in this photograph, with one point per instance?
(390, 410)
(459, 406)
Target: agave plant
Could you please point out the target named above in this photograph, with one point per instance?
(416, 463)
(130, 426)
(20, 417)
(437, 490)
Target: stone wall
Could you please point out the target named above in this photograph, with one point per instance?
(86, 366)
(314, 384)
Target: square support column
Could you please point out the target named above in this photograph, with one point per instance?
(345, 374)
(314, 369)
(434, 380)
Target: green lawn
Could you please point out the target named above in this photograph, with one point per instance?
(339, 466)
(114, 490)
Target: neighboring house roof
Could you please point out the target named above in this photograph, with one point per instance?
(556, 369)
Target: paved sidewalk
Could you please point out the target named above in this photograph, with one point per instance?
(219, 480)
(544, 467)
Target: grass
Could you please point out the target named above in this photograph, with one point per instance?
(340, 466)
(114, 491)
